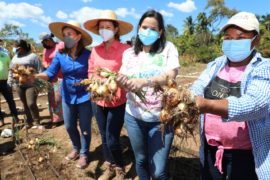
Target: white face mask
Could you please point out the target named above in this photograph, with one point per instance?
(106, 34)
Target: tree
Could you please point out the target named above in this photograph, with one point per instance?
(171, 31)
(189, 26)
(12, 31)
(265, 21)
(202, 22)
(218, 11)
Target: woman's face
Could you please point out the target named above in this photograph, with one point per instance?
(48, 43)
(150, 23)
(107, 25)
(69, 32)
(18, 50)
(236, 33)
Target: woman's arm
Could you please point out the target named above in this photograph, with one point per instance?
(252, 105)
(138, 83)
(43, 76)
(91, 67)
(53, 69)
(217, 107)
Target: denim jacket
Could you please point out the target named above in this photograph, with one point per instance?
(252, 106)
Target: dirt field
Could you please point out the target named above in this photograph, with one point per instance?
(47, 161)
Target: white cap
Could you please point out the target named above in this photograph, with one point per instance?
(244, 20)
(44, 36)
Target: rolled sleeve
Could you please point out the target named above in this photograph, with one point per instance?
(254, 102)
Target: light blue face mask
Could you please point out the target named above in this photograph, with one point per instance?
(148, 36)
(237, 50)
(15, 50)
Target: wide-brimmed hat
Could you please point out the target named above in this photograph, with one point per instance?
(244, 20)
(57, 27)
(92, 25)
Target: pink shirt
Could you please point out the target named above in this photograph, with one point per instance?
(49, 54)
(229, 135)
(112, 60)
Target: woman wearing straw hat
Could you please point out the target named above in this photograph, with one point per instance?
(150, 62)
(109, 114)
(73, 62)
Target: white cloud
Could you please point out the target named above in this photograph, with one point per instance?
(84, 14)
(86, 1)
(16, 23)
(23, 10)
(61, 15)
(165, 13)
(187, 6)
(123, 12)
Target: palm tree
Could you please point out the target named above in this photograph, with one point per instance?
(189, 26)
(265, 20)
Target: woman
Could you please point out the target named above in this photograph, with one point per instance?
(149, 62)
(73, 62)
(233, 97)
(27, 92)
(54, 93)
(5, 89)
(109, 114)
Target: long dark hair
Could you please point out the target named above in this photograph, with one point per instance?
(159, 45)
(80, 45)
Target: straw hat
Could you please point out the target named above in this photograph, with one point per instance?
(57, 27)
(91, 25)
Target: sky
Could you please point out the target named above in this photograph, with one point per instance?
(34, 16)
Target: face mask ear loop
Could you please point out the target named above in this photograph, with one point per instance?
(252, 41)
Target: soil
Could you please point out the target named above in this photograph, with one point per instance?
(16, 159)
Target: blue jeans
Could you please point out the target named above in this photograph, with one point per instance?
(71, 114)
(151, 150)
(110, 121)
(236, 164)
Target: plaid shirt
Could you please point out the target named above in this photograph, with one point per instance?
(252, 106)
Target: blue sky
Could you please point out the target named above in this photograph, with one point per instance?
(33, 16)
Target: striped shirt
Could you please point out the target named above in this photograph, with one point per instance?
(253, 106)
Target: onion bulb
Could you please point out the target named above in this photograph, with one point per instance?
(172, 98)
(103, 90)
(112, 86)
(164, 116)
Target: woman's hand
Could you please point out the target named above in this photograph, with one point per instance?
(199, 102)
(121, 80)
(136, 84)
(130, 84)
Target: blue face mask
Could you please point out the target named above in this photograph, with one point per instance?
(237, 50)
(148, 36)
(15, 50)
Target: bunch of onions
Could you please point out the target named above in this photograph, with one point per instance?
(102, 86)
(22, 74)
(179, 110)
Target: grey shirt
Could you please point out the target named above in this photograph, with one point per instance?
(29, 59)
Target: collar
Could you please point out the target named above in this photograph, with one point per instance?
(114, 45)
